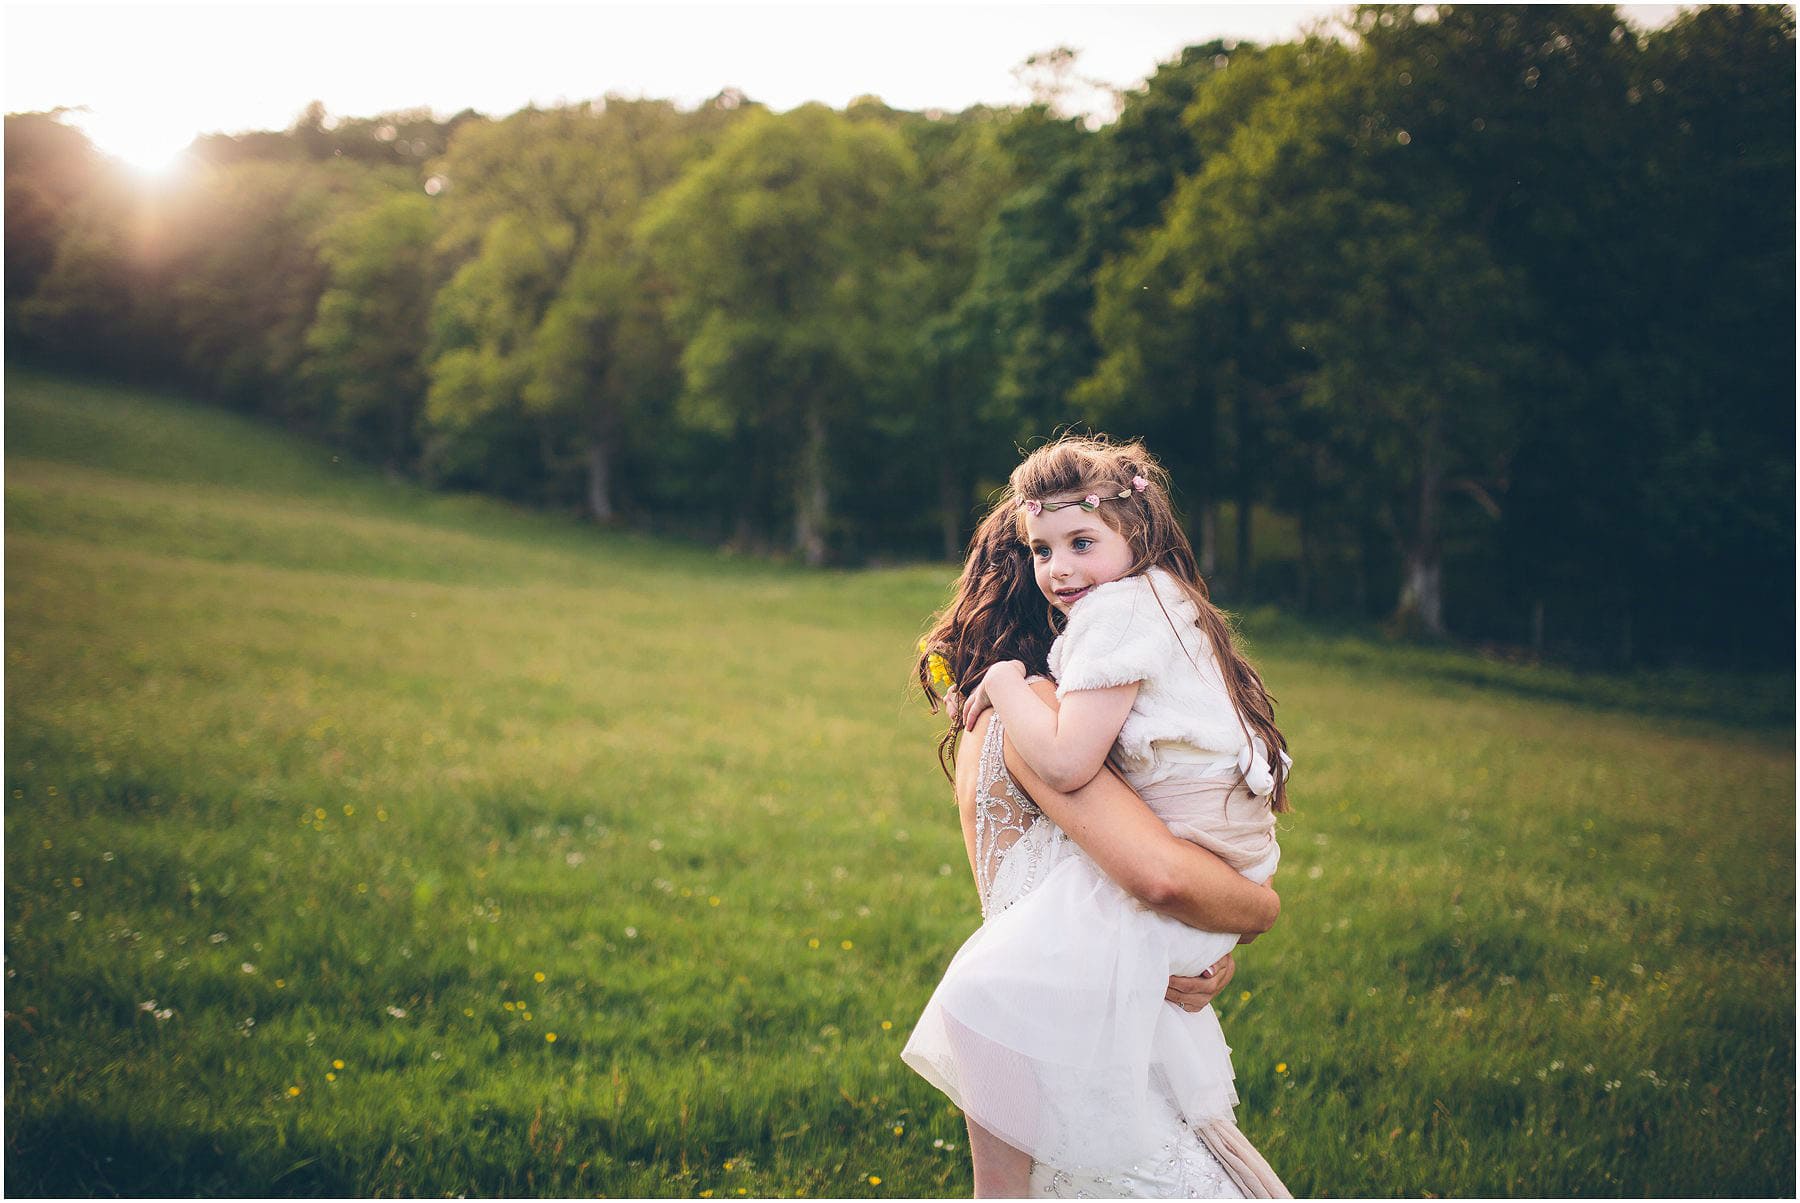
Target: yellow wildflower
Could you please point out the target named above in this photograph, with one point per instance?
(537, 977)
(1281, 1067)
(331, 1077)
(293, 1091)
(940, 672)
(550, 1037)
(337, 1065)
(874, 1179)
(846, 945)
(887, 1025)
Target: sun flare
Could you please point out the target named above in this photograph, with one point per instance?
(148, 143)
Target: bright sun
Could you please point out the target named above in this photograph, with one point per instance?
(145, 141)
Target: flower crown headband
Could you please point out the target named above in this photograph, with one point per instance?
(1090, 503)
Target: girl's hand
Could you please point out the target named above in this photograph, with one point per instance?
(977, 701)
(1193, 993)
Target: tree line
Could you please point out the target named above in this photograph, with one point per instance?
(1490, 307)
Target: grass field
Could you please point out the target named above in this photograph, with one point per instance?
(366, 842)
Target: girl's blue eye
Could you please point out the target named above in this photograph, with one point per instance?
(1041, 552)
(1083, 544)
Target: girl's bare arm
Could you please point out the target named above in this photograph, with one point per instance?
(1132, 846)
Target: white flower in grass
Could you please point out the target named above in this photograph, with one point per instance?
(217, 937)
(397, 1012)
(165, 1013)
(247, 967)
(149, 1004)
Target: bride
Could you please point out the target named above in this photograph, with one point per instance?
(1016, 828)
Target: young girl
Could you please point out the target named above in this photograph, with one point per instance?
(1050, 1028)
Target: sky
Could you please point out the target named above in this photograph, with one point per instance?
(149, 77)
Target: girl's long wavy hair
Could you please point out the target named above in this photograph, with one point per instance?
(997, 612)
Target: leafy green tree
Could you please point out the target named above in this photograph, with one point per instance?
(958, 436)
(554, 316)
(1641, 190)
(236, 259)
(788, 251)
(368, 338)
(50, 168)
(1339, 323)
(1185, 376)
(1032, 288)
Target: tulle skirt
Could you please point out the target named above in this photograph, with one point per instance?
(1050, 1028)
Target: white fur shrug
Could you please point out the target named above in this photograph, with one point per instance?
(1141, 628)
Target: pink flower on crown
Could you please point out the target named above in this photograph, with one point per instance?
(1092, 500)
(1032, 506)
(1139, 483)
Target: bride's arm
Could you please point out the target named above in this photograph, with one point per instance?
(1133, 847)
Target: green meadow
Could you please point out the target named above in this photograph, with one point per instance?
(363, 841)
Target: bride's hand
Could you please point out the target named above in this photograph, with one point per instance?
(1193, 993)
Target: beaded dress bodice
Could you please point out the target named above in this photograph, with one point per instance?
(1011, 847)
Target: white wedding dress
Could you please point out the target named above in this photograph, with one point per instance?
(1016, 849)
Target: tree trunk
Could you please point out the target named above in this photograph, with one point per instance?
(1421, 607)
(948, 509)
(1537, 629)
(811, 500)
(1421, 593)
(1245, 446)
(599, 478)
(1209, 540)
(1246, 566)
(950, 495)
(1359, 583)
(1303, 586)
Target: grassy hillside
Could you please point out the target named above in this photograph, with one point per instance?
(365, 842)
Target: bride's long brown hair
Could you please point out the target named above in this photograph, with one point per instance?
(997, 612)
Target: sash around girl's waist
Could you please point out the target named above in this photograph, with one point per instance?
(1217, 812)
(1177, 752)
